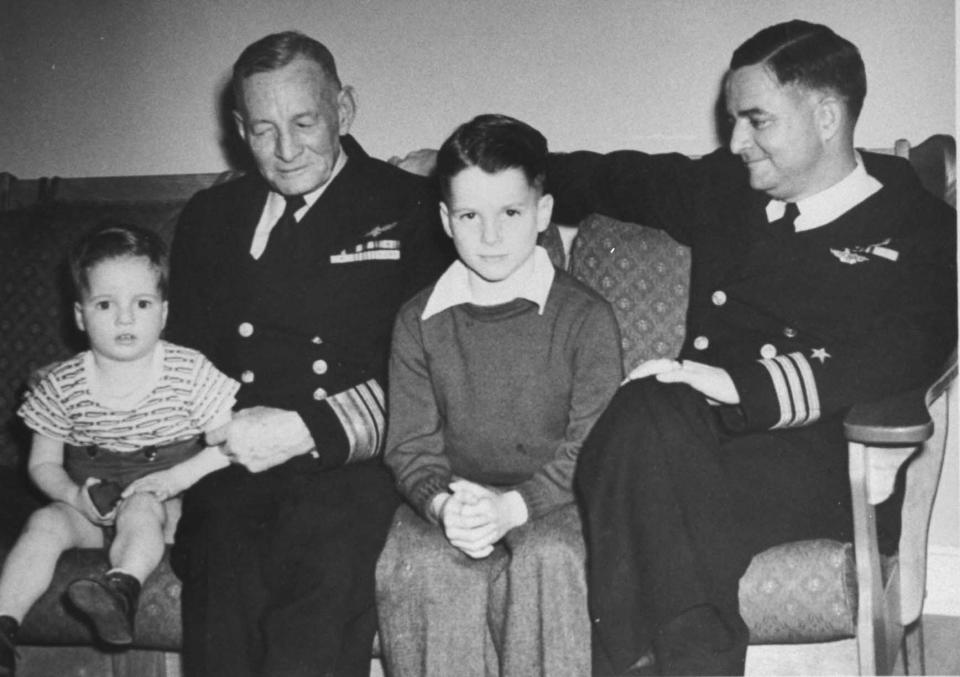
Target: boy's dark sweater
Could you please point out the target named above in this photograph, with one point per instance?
(500, 395)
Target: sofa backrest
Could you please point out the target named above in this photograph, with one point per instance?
(642, 272)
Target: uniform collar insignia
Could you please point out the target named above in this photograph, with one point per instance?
(848, 256)
(857, 254)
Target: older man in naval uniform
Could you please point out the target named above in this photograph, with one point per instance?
(288, 280)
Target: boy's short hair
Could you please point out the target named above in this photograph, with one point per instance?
(493, 143)
(810, 55)
(114, 241)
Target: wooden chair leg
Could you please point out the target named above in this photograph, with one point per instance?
(914, 660)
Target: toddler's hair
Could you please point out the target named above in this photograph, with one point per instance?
(493, 143)
(114, 241)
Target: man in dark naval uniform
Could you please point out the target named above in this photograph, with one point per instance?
(821, 276)
(289, 282)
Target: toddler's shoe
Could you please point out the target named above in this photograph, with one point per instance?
(8, 647)
(110, 602)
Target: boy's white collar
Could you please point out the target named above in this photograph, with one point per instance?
(453, 287)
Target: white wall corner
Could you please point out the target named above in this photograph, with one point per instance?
(943, 581)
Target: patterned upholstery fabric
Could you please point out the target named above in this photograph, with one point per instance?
(804, 589)
(645, 276)
(53, 621)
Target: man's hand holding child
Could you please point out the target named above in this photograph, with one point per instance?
(163, 484)
(262, 437)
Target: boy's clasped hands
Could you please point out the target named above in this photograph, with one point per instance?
(474, 517)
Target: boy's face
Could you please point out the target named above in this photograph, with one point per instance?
(122, 312)
(494, 220)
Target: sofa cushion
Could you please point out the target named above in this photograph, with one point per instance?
(803, 590)
(645, 275)
(36, 320)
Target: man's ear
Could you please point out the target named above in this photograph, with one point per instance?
(78, 317)
(241, 127)
(445, 218)
(346, 108)
(544, 211)
(830, 114)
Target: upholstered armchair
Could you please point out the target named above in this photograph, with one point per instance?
(818, 606)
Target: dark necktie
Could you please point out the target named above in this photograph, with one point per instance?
(784, 225)
(282, 244)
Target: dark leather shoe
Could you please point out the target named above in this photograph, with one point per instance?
(8, 647)
(110, 602)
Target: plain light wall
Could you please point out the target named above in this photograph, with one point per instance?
(116, 87)
(125, 87)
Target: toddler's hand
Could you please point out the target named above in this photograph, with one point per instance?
(163, 484)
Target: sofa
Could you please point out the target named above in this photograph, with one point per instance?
(804, 591)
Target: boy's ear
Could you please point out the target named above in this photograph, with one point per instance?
(78, 316)
(544, 211)
(166, 310)
(445, 218)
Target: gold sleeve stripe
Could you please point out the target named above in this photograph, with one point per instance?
(780, 388)
(795, 388)
(362, 414)
(810, 386)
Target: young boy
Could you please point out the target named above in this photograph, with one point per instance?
(115, 438)
(497, 373)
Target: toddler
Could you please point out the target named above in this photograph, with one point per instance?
(116, 438)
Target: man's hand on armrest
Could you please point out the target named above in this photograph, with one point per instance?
(420, 162)
(262, 437)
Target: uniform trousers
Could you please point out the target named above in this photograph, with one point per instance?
(675, 507)
(519, 612)
(278, 569)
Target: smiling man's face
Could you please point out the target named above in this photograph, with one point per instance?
(292, 119)
(775, 133)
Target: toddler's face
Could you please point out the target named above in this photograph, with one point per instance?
(123, 311)
(494, 220)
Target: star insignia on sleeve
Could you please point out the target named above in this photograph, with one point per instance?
(820, 354)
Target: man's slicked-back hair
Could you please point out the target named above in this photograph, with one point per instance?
(810, 55)
(493, 143)
(116, 241)
(275, 51)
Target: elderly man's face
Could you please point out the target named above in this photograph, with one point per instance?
(775, 132)
(292, 119)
